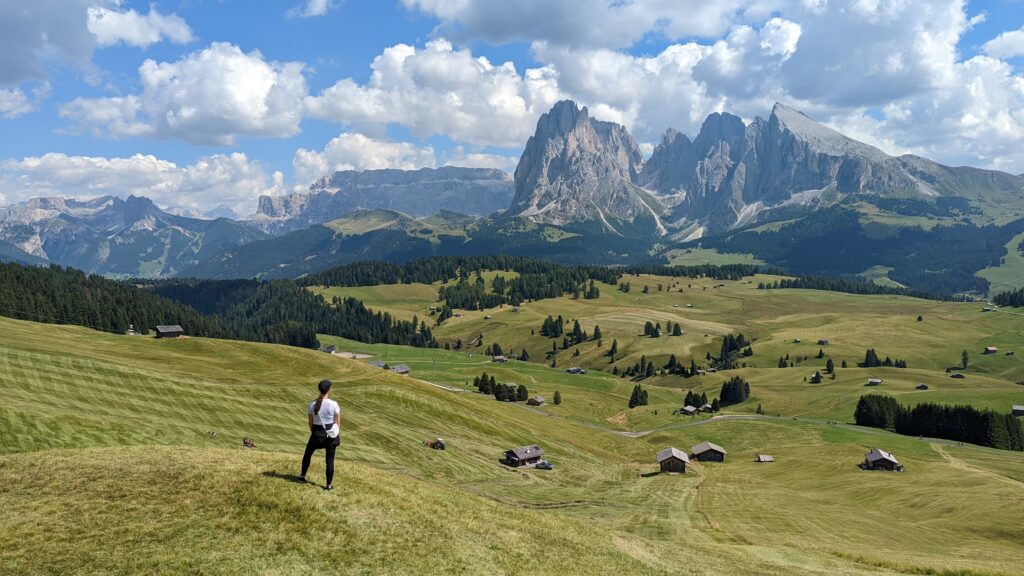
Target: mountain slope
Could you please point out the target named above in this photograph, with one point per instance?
(575, 168)
(474, 191)
(108, 235)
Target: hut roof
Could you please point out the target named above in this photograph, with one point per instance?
(705, 446)
(400, 368)
(877, 454)
(670, 452)
(765, 458)
(169, 328)
(1018, 407)
(524, 452)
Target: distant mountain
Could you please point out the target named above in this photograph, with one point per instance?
(108, 235)
(577, 169)
(395, 237)
(474, 191)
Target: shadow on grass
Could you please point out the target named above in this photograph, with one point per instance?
(279, 476)
(651, 474)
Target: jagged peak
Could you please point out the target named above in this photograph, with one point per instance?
(819, 136)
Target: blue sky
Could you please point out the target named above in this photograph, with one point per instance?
(201, 103)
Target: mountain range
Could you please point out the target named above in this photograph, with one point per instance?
(786, 189)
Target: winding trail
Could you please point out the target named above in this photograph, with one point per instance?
(960, 464)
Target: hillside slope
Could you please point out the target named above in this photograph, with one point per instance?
(188, 500)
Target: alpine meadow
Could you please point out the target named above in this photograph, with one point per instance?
(582, 287)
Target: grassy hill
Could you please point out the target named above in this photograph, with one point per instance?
(108, 465)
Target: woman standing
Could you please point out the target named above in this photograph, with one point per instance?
(324, 416)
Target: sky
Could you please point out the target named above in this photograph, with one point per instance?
(204, 105)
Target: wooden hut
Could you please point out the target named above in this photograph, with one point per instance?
(690, 410)
(402, 369)
(536, 401)
(523, 456)
(921, 387)
(170, 331)
(708, 452)
(990, 350)
(1017, 410)
(765, 458)
(878, 459)
(874, 381)
(672, 460)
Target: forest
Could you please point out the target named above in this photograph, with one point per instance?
(961, 423)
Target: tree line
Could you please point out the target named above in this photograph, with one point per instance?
(849, 285)
(57, 295)
(960, 422)
(1013, 298)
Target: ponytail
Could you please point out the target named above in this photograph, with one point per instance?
(316, 407)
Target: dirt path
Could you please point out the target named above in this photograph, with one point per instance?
(960, 464)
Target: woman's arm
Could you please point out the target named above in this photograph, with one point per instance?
(309, 416)
(337, 420)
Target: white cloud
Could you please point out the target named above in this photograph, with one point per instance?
(312, 8)
(441, 90)
(36, 33)
(1007, 45)
(354, 151)
(585, 23)
(207, 97)
(14, 103)
(114, 27)
(459, 156)
(222, 179)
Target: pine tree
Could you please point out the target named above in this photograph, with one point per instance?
(677, 330)
(524, 356)
(597, 333)
(557, 400)
(964, 358)
(830, 366)
(522, 393)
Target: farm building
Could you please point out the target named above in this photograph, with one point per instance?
(575, 370)
(401, 369)
(921, 387)
(1010, 353)
(708, 452)
(500, 359)
(329, 349)
(797, 340)
(707, 408)
(1017, 410)
(765, 458)
(672, 460)
(878, 459)
(990, 350)
(536, 401)
(523, 456)
(171, 331)
(823, 342)
(690, 410)
(874, 381)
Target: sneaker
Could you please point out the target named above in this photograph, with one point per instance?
(330, 487)
(301, 479)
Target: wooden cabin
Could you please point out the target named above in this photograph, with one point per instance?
(170, 331)
(921, 387)
(874, 381)
(1017, 410)
(878, 459)
(990, 350)
(536, 401)
(401, 369)
(523, 456)
(708, 452)
(765, 458)
(672, 460)
(690, 410)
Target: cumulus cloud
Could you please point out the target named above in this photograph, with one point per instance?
(585, 23)
(207, 97)
(354, 151)
(224, 179)
(459, 156)
(34, 34)
(312, 8)
(1006, 45)
(14, 103)
(111, 27)
(441, 90)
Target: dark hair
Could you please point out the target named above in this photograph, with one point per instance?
(324, 387)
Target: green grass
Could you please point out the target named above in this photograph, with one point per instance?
(880, 275)
(1010, 274)
(698, 256)
(92, 419)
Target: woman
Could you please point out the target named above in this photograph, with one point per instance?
(324, 416)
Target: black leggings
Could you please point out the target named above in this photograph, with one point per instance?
(315, 443)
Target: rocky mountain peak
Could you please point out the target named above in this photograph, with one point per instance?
(818, 137)
(576, 168)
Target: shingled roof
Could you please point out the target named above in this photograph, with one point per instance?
(670, 452)
(877, 454)
(524, 452)
(705, 446)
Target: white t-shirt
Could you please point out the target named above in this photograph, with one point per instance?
(328, 410)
